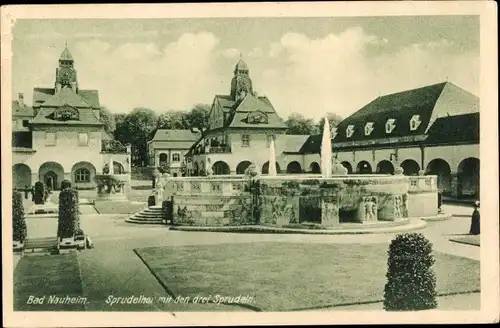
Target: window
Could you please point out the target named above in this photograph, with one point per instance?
(25, 123)
(415, 122)
(390, 125)
(349, 131)
(176, 157)
(82, 175)
(50, 139)
(368, 128)
(269, 138)
(245, 140)
(83, 139)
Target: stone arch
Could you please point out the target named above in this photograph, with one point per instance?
(293, 168)
(468, 177)
(348, 166)
(21, 176)
(442, 169)
(117, 168)
(410, 167)
(265, 168)
(221, 167)
(364, 167)
(385, 167)
(314, 167)
(51, 173)
(242, 166)
(82, 174)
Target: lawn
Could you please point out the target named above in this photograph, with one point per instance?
(46, 276)
(469, 240)
(286, 276)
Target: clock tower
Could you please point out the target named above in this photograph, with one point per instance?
(241, 84)
(65, 73)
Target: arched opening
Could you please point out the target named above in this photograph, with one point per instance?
(442, 169)
(364, 168)
(385, 167)
(82, 175)
(220, 167)
(348, 166)
(265, 168)
(242, 166)
(21, 176)
(163, 159)
(410, 167)
(293, 168)
(117, 168)
(51, 173)
(315, 168)
(468, 177)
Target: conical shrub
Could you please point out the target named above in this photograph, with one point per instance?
(19, 229)
(411, 283)
(69, 216)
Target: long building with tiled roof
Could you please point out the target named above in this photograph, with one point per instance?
(62, 136)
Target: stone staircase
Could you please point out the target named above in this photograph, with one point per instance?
(150, 215)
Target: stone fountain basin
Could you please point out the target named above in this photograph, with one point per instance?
(111, 177)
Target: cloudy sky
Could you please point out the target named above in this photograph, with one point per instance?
(305, 65)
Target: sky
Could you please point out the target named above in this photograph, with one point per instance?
(310, 66)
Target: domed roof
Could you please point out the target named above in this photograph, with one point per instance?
(66, 55)
(241, 65)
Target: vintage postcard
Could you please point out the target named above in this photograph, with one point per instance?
(250, 163)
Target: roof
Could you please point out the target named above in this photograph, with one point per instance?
(66, 55)
(85, 117)
(400, 106)
(41, 95)
(21, 111)
(176, 135)
(241, 65)
(312, 145)
(66, 96)
(293, 143)
(252, 104)
(454, 129)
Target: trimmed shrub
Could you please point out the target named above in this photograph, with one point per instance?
(39, 195)
(65, 184)
(151, 201)
(69, 216)
(19, 229)
(411, 283)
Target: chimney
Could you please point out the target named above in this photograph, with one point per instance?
(21, 100)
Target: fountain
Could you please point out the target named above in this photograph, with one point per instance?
(111, 186)
(272, 159)
(326, 151)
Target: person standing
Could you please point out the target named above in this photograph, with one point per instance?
(475, 221)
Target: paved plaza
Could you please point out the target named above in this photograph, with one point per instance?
(112, 267)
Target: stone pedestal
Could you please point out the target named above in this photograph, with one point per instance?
(329, 212)
(111, 187)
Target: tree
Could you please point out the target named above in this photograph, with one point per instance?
(108, 119)
(333, 119)
(172, 120)
(411, 283)
(19, 229)
(297, 124)
(136, 128)
(198, 117)
(69, 215)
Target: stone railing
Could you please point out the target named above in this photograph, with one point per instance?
(216, 184)
(212, 150)
(112, 146)
(425, 183)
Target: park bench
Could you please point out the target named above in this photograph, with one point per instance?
(46, 244)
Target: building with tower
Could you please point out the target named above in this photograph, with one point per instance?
(61, 136)
(241, 127)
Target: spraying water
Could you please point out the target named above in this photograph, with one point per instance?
(111, 166)
(272, 159)
(326, 151)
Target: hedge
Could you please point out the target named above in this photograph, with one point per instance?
(69, 216)
(65, 184)
(19, 229)
(411, 282)
(39, 196)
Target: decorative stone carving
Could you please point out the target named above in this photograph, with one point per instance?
(110, 187)
(179, 185)
(369, 208)
(329, 212)
(196, 186)
(398, 207)
(216, 186)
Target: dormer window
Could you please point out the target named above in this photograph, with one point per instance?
(368, 128)
(415, 122)
(390, 125)
(349, 131)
